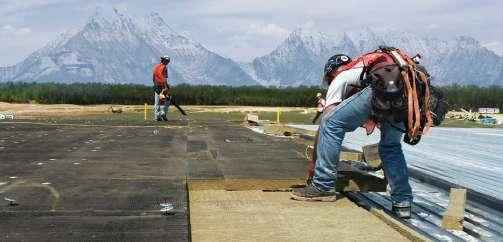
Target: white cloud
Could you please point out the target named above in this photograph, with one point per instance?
(492, 44)
(252, 40)
(11, 30)
(14, 6)
(17, 42)
(495, 46)
(243, 41)
(268, 30)
(308, 25)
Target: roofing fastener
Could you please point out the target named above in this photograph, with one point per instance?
(12, 202)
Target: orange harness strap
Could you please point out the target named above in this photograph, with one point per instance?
(410, 102)
(429, 120)
(414, 112)
(417, 114)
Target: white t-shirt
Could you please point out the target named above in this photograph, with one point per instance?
(340, 86)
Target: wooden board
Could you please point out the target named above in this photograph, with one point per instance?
(350, 155)
(251, 118)
(349, 180)
(217, 215)
(280, 129)
(243, 184)
(455, 213)
(371, 155)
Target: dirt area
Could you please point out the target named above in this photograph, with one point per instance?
(293, 115)
(24, 111)
(30, 111)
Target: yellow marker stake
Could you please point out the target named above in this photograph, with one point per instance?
(277, 115)
(145, 112)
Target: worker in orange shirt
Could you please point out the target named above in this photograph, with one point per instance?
(161, 89)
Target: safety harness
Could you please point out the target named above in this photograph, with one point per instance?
(401, 90)
(415, 89)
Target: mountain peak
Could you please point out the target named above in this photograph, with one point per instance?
(101, 13)
(109, 16)
(310, 33)
(313, 39)
(365, 39)
(155, 20)
(466, 42)
(363, 33)
(113, 47)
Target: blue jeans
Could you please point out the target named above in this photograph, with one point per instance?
(157, 106)
(346, 117)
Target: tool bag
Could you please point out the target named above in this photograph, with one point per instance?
(401, 89)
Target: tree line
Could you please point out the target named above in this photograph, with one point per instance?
(468, 97)
(473, 97)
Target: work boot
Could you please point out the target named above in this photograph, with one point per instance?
(311, 193)
(401, 211)
(164, 118)
(158, 119)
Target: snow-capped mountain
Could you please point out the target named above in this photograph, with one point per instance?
(296, 61)
(299, 59)
(113, 47)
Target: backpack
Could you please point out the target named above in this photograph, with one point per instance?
(401, 89)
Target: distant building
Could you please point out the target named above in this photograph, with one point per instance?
(489, 110)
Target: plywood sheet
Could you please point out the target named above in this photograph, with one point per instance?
(218, 215)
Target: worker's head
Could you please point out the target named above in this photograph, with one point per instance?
(332, 65)
(318, 95)
(165, 59)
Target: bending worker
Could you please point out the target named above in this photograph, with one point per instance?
(161, 89)
(344, 113)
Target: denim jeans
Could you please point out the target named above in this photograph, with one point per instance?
(157, 106)
(346, 117)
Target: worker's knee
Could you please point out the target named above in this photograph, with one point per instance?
(389, 147)
(390, 139)
(330, 136)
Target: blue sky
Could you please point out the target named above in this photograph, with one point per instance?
(243, 29)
